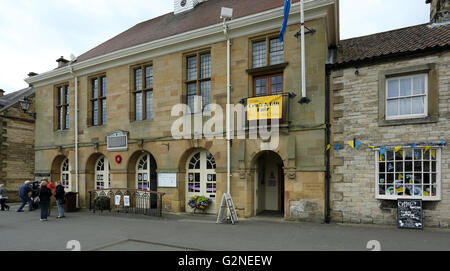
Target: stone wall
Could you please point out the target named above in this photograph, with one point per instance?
(17, 149)
(301, 146)
(354, 101)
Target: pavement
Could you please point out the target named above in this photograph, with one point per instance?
(185, 232)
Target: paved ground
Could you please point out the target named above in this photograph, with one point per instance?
(24, 231)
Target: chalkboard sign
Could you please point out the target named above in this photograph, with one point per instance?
(409, 214)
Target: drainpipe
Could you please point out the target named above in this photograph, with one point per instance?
(328, 153)
(225, 30)
(76, 133)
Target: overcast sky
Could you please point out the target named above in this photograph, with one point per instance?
(33, 34)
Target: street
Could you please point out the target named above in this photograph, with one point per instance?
(185, 232)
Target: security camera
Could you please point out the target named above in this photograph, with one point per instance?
(226, 13)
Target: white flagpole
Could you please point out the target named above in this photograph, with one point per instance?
(302, 18)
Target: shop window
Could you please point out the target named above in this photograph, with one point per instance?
(408, 173)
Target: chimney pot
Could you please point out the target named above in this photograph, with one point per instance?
(31, 74)
(1, 92)
(439, 10)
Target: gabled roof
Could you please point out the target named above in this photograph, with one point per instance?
(11, 99)
(412, 39)
(203, 15)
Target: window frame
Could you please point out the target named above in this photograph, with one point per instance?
(268, 78)
(143, 91)
(432, 94)
(425, 95)
(267, 38)
(438, 171)
(199, 80)
(65, 106)
(98, 100)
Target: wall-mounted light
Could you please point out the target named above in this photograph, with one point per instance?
(25, 104)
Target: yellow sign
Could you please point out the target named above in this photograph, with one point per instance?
(267, 107)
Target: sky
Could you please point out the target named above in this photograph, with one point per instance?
(34, 33)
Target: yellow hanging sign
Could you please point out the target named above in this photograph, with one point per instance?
(267, 107)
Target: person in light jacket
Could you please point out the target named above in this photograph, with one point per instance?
(3, 198)
(59, 195)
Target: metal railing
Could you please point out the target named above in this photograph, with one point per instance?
(126, 201)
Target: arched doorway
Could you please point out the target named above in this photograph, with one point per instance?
(269, 184)
(146, 173)
(66, 180)
(201, 178)
(60, 172)
(102, 175)
(146, 178)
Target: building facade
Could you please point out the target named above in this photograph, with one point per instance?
(130, 84)
(16, 141)
(390, 94)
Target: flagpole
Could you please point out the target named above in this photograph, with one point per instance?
(302, 21)
(304, 99)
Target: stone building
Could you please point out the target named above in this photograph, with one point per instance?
(127, 87)
(16, 141)
(390, 93)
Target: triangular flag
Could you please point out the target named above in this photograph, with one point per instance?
(381, 157)
(433, 153)
(328, 147)
(338, 147)
(413, 146)
(382, 151)
(426, 149)
(357, 143)
(352, 144)
(372, 147)
(397, 149)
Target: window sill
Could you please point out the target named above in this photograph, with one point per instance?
(268, 69)
(434, 198)
(396, 122)
(62, 131)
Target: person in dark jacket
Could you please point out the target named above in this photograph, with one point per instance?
(24, 190)
(44, 200)
(59, 195)
(3, 198)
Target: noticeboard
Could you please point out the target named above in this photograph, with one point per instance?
(409, 214)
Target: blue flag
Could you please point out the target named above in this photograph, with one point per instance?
(287, 8)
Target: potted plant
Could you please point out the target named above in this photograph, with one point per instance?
(199, 203)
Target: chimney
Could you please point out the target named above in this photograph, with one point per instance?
(31, 74)
(439, 11)
(1, 92)
(62, 61)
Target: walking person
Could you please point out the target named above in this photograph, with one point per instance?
(44, 200)
(59, 195)
(24, 189)
(3, 198)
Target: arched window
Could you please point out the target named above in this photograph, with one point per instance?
(201, 177)
(65, 175)
(143, 172)
(102, 176)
